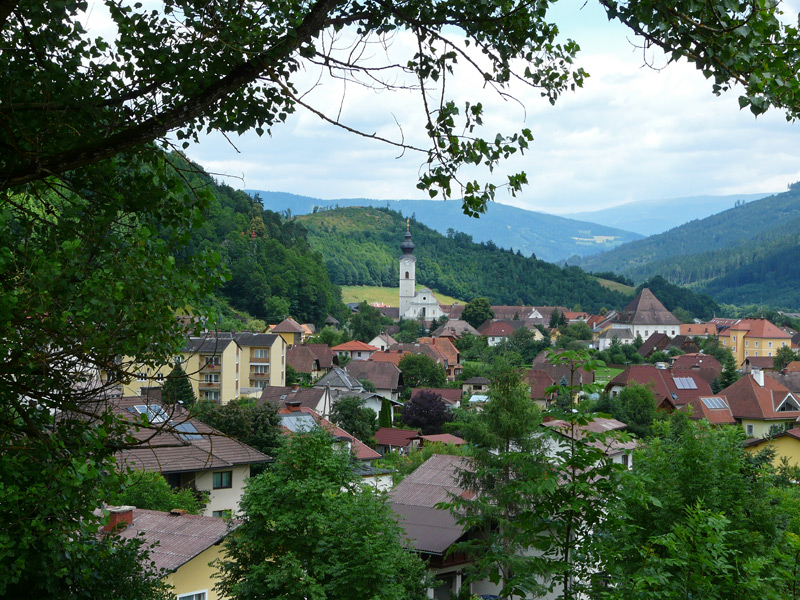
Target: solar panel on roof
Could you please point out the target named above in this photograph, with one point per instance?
(295, 423)
(714, 403)
(685, 383)
(188, 431)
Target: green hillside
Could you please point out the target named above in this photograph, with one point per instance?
(385, 295)
(746, 255)
(360, 246)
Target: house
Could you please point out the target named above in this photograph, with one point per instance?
(496, 331)
(390, 439)
(618, 451)
(703, 330)
(539, 381)
(290, 330)
(645, 315)
(684, 343)
(296, 418)
(558, 372)
(184, 546)
(785, 444)
(705, 365)
(316, 398)
(187, 452)
(623, 335)
(753, 338)
(447, 349)
(355, 350)
(450, 396)
(757, 363)
(221, 367)
(672, 388)
(312, 359)
(714, 409)
(339, 383)
(762, 405)
(441, 438)
(383, 341)
(475, 385)
(454, 328)
(657, 342)
(385, 376)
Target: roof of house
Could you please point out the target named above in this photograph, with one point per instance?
(288, 325)
(391, 436)
(713, 408)
(247, 340)
(749, 400)
(331, 320)
(386, 339)
(301, 419)
(278, 395)
(765, 363)
(792, 367)
(678, 386)
(646, 309)
(499, 327)
(207, 344)
(385, 375)
(391, 356)
(392, 312)
(539, 381)
(696, 360)
(430, 530)
(354, 346)
(444, 438)
(557, 372)
(175, 538)
(302, 357)
(174, 442)
(451, 396)
(477, 380)
(790, 380)
(656, 341)
(595, 427)
(683, 342)
(454, 328)
(760, 328)
(621, 333)
(337, 377)
(445, 347)
(699, 328)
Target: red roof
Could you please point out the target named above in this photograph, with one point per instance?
(360, 449)
(760, 328)
(677, 386)
(715, 409)
(389, 436)
(444, 438)
(449, 395)
(749, 400)
(355, 345)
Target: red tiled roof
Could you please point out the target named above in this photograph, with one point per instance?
(697, 361)
(539, 381)
(667, 384)
(760, 328)
(360, 449)
(444, 438)
(749, 400)
(390, 436)
(793, 367)
(449, 395)
(355, 345)
(699, 329)
(716, 416)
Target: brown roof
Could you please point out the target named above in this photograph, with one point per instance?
(542, 363)
(443, 438)
(288, 325)
(646, 309)
(445, 347)
(497, 328)
(178, 538)
(431, 351)
(184, 444)
(696, 360)
(449, 395)
(598, 425)
(455, 328)
(391, 356)
(765, 363)
(385, 375)
(698, 329)
(675, 386)
(792, 367)
(749, 400)
(278, 395)
(539, 381)
(656, 341)
(303, 358)
(429, 529)
(390, 436)
(715, 409)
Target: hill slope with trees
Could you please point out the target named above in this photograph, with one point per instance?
(361, 245)
(744, 255)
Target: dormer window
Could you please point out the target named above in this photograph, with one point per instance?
(789, 404)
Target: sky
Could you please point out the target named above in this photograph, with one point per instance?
(631, 133)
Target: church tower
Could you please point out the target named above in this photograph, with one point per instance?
(408, 274)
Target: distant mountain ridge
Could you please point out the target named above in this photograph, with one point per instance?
(749, 254)
(548, 237)
(650, 217)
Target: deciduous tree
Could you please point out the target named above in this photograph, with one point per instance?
(355, 418)
(427, 412)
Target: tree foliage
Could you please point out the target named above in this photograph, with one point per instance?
(477, 311)
(350, 414)
(427, 412)
(149, 490)
(177, 388)
(310, 531)
(420, 370)
(366, 322)
(255, 424)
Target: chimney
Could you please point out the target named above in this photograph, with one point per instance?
(178, 512)
(758, 376)
(119, 518)
(295, 387)
(293, 405)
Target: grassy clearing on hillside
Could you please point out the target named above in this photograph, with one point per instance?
(605, 374)
(384, 295)
(616, 286)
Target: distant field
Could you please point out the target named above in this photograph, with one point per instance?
(618, 287)
(384, 295)
(605, 374)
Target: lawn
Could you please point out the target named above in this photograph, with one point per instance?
(605, 374)
(384, 295)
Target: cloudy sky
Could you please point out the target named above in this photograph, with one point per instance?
(632, 133)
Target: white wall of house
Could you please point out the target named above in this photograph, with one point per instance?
(223, 498)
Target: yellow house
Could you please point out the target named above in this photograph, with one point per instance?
(186, 545)
(220, 367)
(753, 337)
(290, 330)
(786, 445)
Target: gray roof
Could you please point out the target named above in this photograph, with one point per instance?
(339, 378)
(646, 309)
(385, 375)
(256, 339)
(207, 344)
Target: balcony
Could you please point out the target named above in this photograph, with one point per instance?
(209, 385)
(258, 374)
(210, 368)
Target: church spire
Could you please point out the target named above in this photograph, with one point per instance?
(407, 246)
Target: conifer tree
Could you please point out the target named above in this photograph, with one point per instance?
(177, 388)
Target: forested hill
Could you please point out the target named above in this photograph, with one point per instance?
(361, 247)
(745, 255)
(549, 237)
(274, 270)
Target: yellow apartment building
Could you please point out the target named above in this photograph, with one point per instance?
(753, 337)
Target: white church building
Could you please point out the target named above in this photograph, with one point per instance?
(414, 304)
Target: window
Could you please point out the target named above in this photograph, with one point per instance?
(211, 378)
(406, 274)
(755, 353)
(769, 353)
(225, 513)
(672, 332)
(749, 430)
(261, 369)
(160, 377)
(261, 353)
(212, 361)
(747, 353)
(203, 595)
(625, 459)
(783, 344)
(756, 343)
(259, 383)
(222, 480)
(359, 355)
(746, 343)
(141, 376)
(213, 396)
(769, 345)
